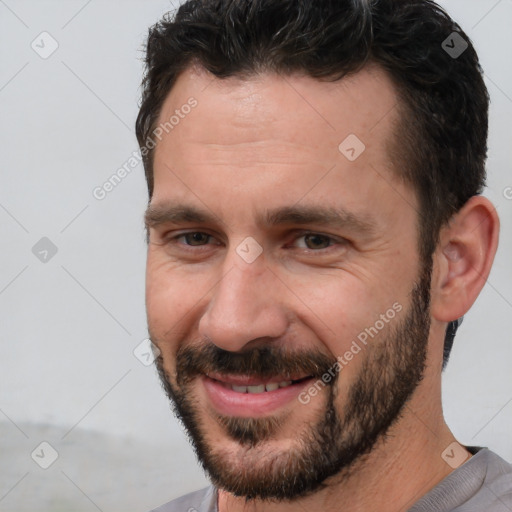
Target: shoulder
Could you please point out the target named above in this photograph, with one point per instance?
(497, 484)
(204, 500)
(491, 477)
(484, 482)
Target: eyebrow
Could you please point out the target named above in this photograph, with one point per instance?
(296, 214)
(321, 215)
(177, 214)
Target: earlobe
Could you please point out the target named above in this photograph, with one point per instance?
(464, 257)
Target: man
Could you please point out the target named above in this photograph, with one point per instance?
(315, 232)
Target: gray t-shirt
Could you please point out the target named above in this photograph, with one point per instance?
(482, 484)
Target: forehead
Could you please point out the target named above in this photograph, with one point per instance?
(263, 103)
(280, 139)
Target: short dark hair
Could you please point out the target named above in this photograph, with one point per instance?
(440, 141)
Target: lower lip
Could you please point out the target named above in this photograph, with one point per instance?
(248, 405)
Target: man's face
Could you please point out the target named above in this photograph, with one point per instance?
(255, 290)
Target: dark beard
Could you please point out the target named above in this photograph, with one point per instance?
(391, 371)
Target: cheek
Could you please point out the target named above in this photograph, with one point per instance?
(167, 299)
(337, 306)
(175, 295)
(350, 315)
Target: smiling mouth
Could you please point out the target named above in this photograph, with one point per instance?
(245, 396)
(256, 385)
(260, 388)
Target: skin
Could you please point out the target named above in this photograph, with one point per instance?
(266, 142)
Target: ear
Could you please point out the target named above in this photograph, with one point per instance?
(463, 258)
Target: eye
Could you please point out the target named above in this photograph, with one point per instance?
(315, 241)
(194, 239)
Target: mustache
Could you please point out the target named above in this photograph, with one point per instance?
(260, 362)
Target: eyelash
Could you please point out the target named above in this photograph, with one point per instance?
(332, 240)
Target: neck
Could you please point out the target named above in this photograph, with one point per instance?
(400, 469)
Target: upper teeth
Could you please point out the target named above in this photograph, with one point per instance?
(271, 386)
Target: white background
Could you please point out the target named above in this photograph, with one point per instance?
(68, 327)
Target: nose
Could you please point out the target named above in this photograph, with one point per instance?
(245, 306)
